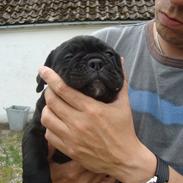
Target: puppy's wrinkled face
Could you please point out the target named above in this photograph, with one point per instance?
(88, 65)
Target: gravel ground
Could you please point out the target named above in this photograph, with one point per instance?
(10, 156)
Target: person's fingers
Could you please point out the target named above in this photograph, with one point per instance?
(57, 142)
(62, 109)
(58, 127)
(73, 97)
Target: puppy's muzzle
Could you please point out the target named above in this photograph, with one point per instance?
(96, 86)
(96, 64)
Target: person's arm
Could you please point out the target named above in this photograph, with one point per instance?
(101, 137)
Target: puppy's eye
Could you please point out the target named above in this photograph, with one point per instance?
(109, 53)
(68, 56)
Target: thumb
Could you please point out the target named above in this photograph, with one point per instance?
(123, 94)
(122, 97)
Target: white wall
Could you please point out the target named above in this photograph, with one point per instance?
(22, 51)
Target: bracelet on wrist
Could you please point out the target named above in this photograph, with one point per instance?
(162, 172)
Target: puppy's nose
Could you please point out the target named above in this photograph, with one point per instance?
(95, 64)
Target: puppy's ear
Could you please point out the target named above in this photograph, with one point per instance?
(40, 81)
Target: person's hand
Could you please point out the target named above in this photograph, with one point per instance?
(101, 137)
(74, 172)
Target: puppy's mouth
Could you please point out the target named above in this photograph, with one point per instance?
(96, 88)
(99, 87)
(92, 85)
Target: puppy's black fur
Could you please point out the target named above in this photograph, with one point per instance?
(87, 64)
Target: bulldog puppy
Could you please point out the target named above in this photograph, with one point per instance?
(87, 64)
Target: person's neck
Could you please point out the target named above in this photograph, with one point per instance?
(167, 49)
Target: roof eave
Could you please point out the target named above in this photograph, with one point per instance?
(43, 25)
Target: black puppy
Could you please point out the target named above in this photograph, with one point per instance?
(86, 64)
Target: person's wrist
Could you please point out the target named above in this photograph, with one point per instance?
(146, 165)
(139, 167)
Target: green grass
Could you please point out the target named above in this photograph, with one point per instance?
(10, 157)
